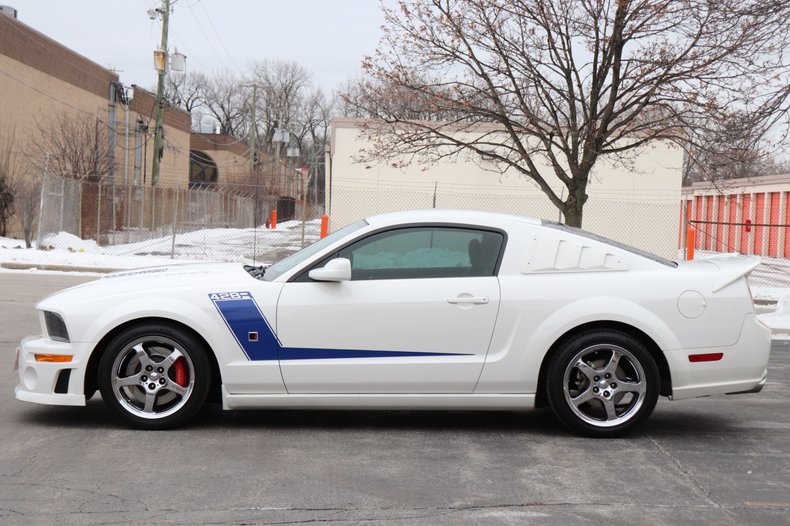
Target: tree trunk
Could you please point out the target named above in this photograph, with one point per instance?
(573, 208)
(573, 214)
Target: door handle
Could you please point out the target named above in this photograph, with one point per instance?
(477, 300)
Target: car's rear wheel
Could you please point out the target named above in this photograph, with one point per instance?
(154, 376)
(602, 383)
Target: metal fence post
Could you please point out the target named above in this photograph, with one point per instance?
(684, 212)
(79, 208)
(41, 202)
(128, 223)
(98, 214)
(63, 198)
(141, 189)
(152, 225)
(304, 204)
(175, 218)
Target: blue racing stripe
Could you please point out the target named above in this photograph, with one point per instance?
(291, 353)
(243, 317)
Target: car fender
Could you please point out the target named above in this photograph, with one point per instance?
(171, 308)
(514, 361)
(602, 309)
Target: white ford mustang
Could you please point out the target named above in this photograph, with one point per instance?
(412, 310)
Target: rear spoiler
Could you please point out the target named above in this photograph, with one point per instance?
(733, 268)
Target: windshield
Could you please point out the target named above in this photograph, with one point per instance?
(306, 253)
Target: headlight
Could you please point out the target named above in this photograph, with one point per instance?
(56, 327)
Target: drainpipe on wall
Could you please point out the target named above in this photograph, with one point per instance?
(113, 124)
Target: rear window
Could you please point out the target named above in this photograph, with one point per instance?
(628, 248)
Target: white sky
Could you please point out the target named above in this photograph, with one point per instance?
(328, 37)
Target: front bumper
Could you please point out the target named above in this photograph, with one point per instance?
(58, 383)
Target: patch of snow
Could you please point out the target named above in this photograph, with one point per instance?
(244, 245)
(70, 242)
(9, 242)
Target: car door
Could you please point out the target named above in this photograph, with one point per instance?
(416, 316)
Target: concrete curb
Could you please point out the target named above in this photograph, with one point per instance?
(59, 268)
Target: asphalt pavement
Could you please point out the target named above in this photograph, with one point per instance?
(715, 460)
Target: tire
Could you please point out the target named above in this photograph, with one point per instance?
(154, 376)
(602, 383)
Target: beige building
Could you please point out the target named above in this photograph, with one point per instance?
(214, 154)
(42, 81)
(40, 78)
(635, 203)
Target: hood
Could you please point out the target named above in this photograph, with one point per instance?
(142, 280)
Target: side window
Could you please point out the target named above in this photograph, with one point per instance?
(424, 252)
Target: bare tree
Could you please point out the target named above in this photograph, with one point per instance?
(727, 148)
(10, 166)
(74, 145)
(187, 92)
(315, 118)
(6, 205)
(225, 100)
(27, 195)
(566, 81)
(281, 93)
(20, 189)
(285, 100)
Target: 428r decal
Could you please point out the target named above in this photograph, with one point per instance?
(215, 296)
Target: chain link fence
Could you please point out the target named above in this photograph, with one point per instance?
(228, 223)
(232, 224)
(209, 223)
(651, 225)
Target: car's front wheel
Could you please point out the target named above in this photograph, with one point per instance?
(602, 383)
(154, 376)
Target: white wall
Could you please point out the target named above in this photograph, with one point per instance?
(637, 204)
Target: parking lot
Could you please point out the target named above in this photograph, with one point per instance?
(716, 460)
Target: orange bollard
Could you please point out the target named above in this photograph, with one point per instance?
(324, 226)
(691, 235)
(274, 219)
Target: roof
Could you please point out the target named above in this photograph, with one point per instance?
(24, 44)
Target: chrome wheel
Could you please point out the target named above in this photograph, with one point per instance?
(604, 385)
(152, 377)
(155, 375)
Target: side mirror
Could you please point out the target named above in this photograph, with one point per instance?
(338, 269)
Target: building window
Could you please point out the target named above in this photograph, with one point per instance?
(203, 171)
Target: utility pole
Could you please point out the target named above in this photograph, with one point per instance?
(252, 139)
(160, 92)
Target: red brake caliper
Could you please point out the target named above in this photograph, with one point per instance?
(181, 371)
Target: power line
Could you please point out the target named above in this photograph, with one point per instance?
(208, 41)
(222, 43)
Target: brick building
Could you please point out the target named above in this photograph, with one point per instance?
(42, 81)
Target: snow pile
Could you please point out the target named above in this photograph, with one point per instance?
(779, 320)
(70, 242)
(244, 245)
(7, 242)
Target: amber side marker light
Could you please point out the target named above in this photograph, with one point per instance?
(56, 358)
(710, 357)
